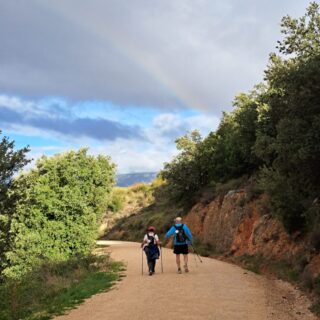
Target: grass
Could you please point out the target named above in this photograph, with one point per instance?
(204, 249)
(315, 308)
(284, 270)
(55, 288)
(252, 263)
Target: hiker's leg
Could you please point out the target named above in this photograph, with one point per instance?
(153, 264)
(185, 258)
(150, 264)
(178, 260)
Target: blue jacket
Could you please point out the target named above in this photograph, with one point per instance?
(172, 231)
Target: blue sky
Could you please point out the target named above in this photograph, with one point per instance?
(136, 138)
(126, 78)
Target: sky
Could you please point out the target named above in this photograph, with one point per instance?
(126, 78)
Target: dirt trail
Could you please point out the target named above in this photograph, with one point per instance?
(212, 290)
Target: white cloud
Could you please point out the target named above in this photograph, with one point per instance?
(130, 155)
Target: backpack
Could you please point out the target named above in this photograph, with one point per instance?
(152, 249)
(151, 239)
(181, 236)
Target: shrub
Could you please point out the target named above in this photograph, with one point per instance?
(116, 202)
(317, 285)
(315, 238)
(61, 203)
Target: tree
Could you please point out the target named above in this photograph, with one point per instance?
(183, 173)
(11, 161)
(288, 132)
(60, 205)
(301, 36)
(227, 153)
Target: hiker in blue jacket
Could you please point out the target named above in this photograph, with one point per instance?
(182, 237)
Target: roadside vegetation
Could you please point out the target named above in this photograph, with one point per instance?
(54, 288)
(49, 218)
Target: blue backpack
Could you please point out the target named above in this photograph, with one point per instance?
(152, 249)
(180, 234)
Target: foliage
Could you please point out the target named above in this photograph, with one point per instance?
(11, 161)
(252, 263)
(204, 249)
(183, 173)
(291, 122)
(301, 35)
(231, 145)
(60, 205)
(117, 201)
(55, 287)
(222, 155)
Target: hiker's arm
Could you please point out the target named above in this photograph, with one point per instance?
(170, 232)
(144, 241)
(189, 235)
(158, 242)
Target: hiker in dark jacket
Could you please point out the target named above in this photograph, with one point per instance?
(182, 237)
(150, 247)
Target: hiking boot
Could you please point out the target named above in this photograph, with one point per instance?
(186, 268)
(179, 271)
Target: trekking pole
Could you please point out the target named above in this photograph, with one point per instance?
(195, 259)
(161, 259)
(142, 261)
(195, 252)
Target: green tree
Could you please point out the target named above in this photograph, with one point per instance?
(227, 153)
(288, 130)
(60, 205)
(11, 161)
(183, 173)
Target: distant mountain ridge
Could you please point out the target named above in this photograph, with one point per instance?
(128, 179)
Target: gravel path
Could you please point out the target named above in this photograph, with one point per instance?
(211, 290)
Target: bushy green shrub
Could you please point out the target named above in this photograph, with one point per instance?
(60, 205)
(116, 202)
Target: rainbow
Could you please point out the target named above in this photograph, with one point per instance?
(124, 45)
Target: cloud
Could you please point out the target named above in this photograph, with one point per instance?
(140, 156)
(48, 128)
(163, 53)
(172, 126)
(99, 129)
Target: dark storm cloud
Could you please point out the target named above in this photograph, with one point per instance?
(161, 53)
(98, 129)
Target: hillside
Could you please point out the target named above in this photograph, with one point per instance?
(128, 179)
(137, 207)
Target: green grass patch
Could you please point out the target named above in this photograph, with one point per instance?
(204, 249)
(315, 308)
(252, 263)
(284, 270)
(317, 285)
(102, 246)
(53, 289)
